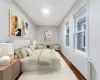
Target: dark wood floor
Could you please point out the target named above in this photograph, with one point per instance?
(75, 71)
(18, 76)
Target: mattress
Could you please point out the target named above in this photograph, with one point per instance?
(41, 60)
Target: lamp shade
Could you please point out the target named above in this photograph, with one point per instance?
(6, 49)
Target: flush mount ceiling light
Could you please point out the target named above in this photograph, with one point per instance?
(45, 11)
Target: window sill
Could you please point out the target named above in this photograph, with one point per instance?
(68, 47)
(82, 54)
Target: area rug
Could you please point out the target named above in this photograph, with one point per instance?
(65, 73)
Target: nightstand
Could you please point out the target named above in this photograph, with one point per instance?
(10, 71)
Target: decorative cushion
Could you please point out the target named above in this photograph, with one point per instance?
(56, 46)
(18, 54)
(40, 46)
(29, 51)
(5, 60)
(23, 52)
(32, 47)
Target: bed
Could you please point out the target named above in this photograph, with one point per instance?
(41, 60)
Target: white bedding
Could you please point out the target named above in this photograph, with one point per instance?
(34, 58)
(44, 58)
(54, 57)
(41, 59)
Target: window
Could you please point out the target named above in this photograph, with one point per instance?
(80, 30)
(67, 33)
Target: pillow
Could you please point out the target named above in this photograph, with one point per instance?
(5, 60)
(18, 54)
(32, 47)
(40, 46)
(23, 52)
(29, 51)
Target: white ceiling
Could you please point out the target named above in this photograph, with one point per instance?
(57, 8)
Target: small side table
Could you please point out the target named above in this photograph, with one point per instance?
(10, 71)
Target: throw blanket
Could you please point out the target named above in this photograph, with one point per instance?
(34, 58)
(44, 58)
(54, 57)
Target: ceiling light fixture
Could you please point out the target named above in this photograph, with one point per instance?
(45, 11)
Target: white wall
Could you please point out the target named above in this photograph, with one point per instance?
(69, 18)
(94, 36)
(5, 6)
(40, 34)
(79, 61)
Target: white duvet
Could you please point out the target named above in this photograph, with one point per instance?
(41, 59)
(54, 57)
(33, 59)
(44, 58)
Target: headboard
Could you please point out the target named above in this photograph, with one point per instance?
(20, 43)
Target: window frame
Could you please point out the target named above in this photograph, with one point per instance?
(79, 15)
(67, 34)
